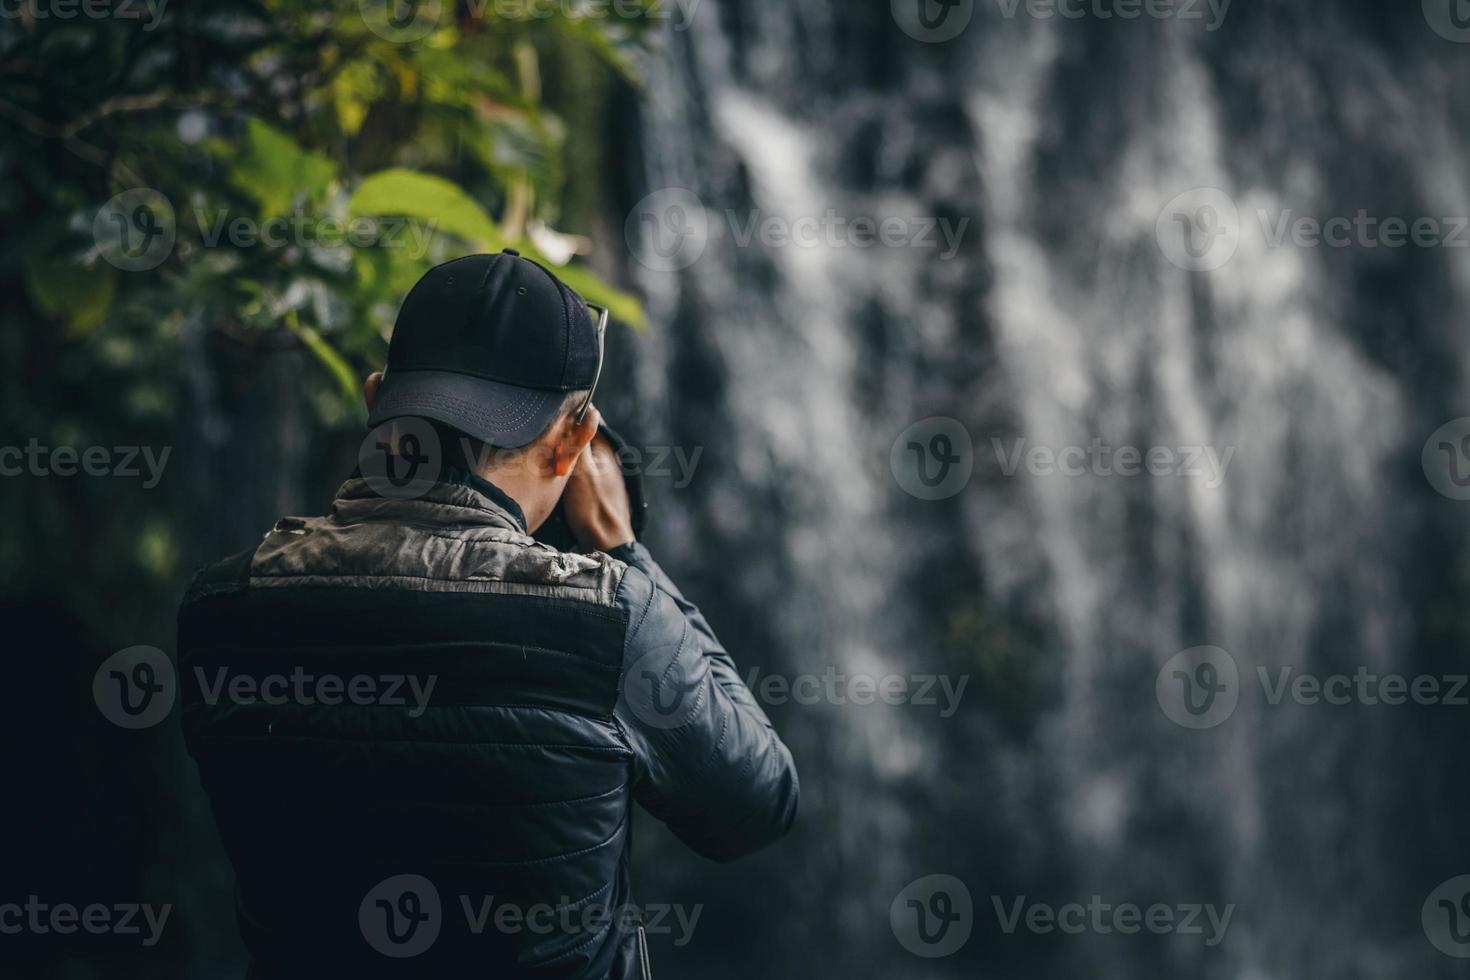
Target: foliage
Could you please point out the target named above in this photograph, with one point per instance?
(283, 109)
(273, 172)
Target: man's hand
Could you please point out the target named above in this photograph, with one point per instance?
(596, 498)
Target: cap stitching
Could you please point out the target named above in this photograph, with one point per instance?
(402, 369)
(514, 416)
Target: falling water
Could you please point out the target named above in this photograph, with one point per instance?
(1315, 373)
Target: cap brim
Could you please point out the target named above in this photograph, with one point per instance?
(497, 414)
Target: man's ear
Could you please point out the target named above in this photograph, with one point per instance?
(572, 438)
(370, 389)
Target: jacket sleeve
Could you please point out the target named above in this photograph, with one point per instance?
(709, 764)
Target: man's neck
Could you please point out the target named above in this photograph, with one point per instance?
(527, 490)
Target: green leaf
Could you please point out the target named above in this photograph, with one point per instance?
(354, 90)
(439, 203)
(273, 170)
(620, 305)
(63, 289)
(327, 354)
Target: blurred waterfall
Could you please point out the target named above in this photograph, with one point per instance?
(1059, 320)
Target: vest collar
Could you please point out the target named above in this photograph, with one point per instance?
(459, 498)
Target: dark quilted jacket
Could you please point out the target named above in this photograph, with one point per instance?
(410, 718)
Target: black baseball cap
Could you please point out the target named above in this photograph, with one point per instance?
(488, 344)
